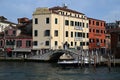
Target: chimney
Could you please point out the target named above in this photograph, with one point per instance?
(65, 6)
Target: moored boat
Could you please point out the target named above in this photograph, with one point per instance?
(84, 61)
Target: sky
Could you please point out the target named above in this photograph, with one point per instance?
(107, 10)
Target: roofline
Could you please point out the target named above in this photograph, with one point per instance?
(9, 22)
(65, 9)
(96, 19)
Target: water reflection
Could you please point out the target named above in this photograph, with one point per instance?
(46, 71)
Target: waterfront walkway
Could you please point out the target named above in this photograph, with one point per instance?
(57, 53)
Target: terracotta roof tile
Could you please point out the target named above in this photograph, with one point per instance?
(65, 9)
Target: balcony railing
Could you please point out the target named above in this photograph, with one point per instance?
(78, 28)
(78, 38)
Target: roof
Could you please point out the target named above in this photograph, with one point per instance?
(8, 22)
(114, 30)
(23, 20)
(65, 9)
(2, 18)
(96, 19)
(25, 24)
(10, 27)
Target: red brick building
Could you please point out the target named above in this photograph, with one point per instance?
(96, 34)
(114, 31)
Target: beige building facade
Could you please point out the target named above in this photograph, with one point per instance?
(58, 28)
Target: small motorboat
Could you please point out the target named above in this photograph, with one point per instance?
(68, 63)
(84, 61)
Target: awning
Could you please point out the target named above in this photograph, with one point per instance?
(8, 50)
(22, 50)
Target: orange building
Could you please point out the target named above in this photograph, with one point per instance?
(96, 34)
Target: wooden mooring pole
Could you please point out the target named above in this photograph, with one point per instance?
(109, 63)
(95, 60)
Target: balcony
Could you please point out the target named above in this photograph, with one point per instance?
(78, 28)
(78, 38)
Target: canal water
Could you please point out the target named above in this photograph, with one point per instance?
(48, 71)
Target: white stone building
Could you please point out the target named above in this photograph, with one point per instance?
(58, 28)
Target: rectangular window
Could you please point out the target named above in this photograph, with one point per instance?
(86, 25)
(80, 23)
(19, 43)
(90, 40)
(66, 33)
(47, 20)
(79, 34)
(10, 42)
(35, 33)
(87, 43)
(47, 43)
(97, 31)
(83, 25)
(28, 43)
(36, 20)
(75, 43)
(89, 30)
(72, 23)
(67, 22)
(14, 32)
(71, 34)
(97, 23)
(81, 43)
(97, 40)
(75, 34)
(56, 21)
(35, 43)
(76, 23)
(47, 33)
(83, 35)
(87, 35)
(71, 43)
(104, 41)
(89, 21)
(56, 43)
(56, 33)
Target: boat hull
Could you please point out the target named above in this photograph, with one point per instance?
(73, 63)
